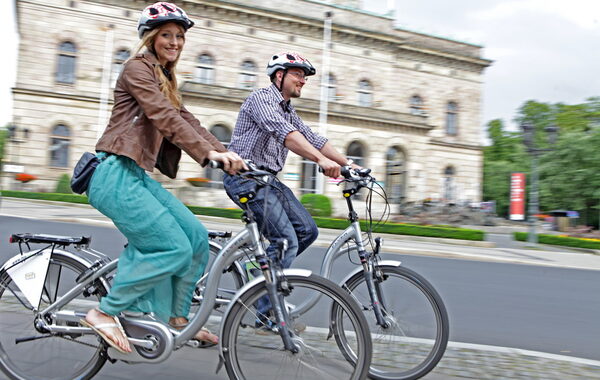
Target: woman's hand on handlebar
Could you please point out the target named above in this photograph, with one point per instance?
(232, 163)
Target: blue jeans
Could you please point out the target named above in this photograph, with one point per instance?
(286, 218)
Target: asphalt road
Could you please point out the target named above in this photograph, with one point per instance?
(538, 308)
(545, 309)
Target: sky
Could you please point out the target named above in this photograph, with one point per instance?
(544, 50)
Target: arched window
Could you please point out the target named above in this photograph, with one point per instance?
(247, 75)
(452, 119)
(65, 66)
(416, 105)
(120, 57)
(60, 139)
(331, 88)
(205, 70)
(356, 152)
(365, 93)
(395, 174)
(449, 187)
(223, 134)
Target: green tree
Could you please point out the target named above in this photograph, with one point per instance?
(500, 159)
(569, 175)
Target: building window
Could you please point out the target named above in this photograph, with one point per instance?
(120, 57)
(223, 134)
(365, 93)
(449, 187)
(452, 119)
(356, 152)
(308, 180)
(395, 175)
(205, 70)
(248, 75)
(65, 70)
(60, 139)
(416, 105)
(332, 88)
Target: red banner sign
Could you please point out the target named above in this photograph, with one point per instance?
(517, 196)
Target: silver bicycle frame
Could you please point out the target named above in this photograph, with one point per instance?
(351, 233)
(249, 238)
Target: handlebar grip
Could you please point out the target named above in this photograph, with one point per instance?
(215, 164)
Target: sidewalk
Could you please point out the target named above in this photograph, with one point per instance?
(461, 360)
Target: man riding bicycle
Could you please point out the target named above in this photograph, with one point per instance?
(267, 128)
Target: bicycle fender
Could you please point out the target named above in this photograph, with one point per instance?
(392, 263)
(29, 273)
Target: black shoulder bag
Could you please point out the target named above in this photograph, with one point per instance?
(83, 171)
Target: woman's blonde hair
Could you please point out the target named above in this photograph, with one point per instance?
(167, 86)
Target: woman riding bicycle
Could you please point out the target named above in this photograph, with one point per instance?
(167, 247)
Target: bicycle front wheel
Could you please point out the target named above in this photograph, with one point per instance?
(253, 352)
(47, 356)
(416, 332)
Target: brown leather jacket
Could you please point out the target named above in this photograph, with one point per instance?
(145, 126)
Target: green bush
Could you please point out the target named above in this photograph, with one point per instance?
(72, 198)
(64, 185)
(340, 224)
(561, 240)
(408, 229)
(316, 204)
(213, 211)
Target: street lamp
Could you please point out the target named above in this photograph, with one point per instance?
(534, 152)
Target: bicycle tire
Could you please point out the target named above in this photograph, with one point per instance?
(417, 338)
(251, 355)
(55, 357)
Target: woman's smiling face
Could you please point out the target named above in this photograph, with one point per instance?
(169, 42)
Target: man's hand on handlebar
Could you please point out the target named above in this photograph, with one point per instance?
(232, 163)
(330, 168)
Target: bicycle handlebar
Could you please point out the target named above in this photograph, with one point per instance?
(255, 170)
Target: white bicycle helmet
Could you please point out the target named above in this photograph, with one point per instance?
(160, 13)
(287, 60)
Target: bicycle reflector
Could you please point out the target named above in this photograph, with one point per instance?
(244, 198)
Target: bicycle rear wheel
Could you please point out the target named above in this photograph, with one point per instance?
(417, 335)
(252, 353)
(56, 356)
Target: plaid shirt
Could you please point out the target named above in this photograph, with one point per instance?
(264, 121)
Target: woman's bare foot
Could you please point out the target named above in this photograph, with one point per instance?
(108, 328)
(203, 335)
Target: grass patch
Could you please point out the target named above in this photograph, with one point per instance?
(340, 224)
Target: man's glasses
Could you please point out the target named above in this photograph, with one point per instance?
(298, 75)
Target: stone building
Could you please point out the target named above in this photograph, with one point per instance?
(403, 103)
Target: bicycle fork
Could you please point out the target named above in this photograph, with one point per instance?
(275, 291)
(369, 273)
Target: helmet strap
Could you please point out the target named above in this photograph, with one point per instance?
(280, 87)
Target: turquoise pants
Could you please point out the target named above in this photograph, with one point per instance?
(167, 247)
